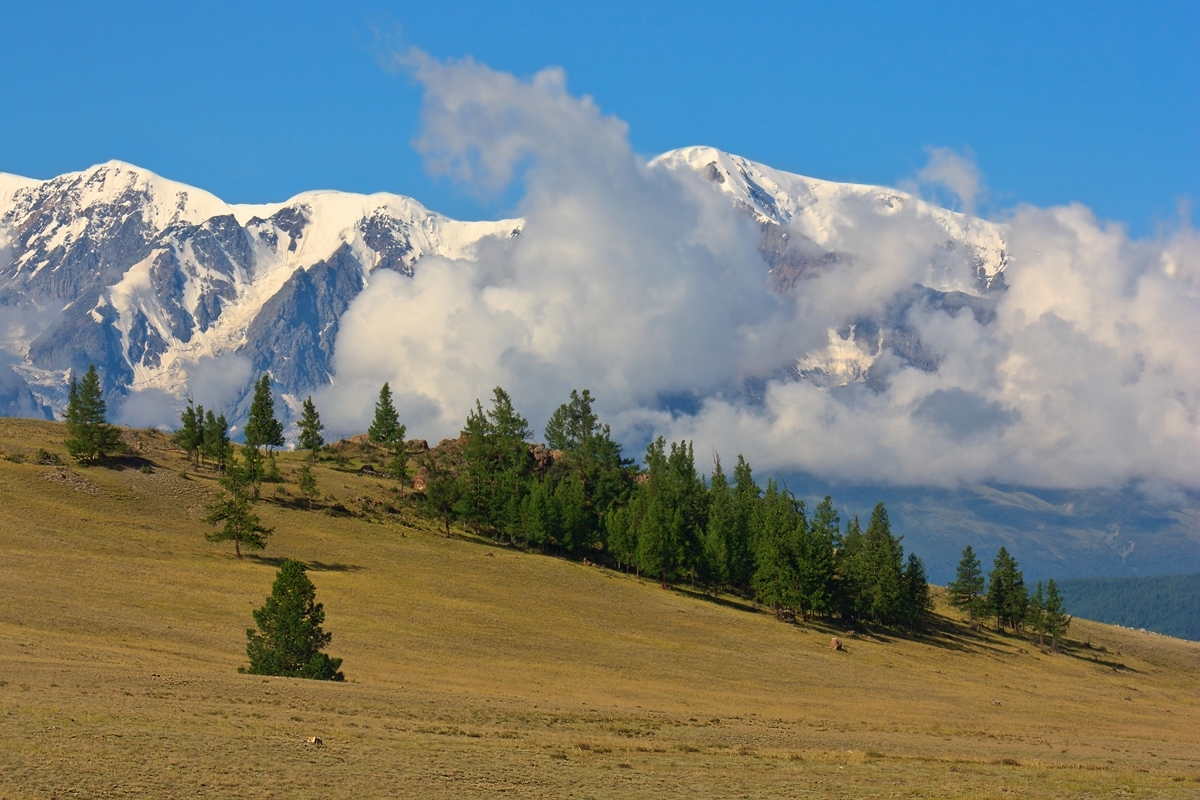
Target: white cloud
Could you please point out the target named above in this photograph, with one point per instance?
(641, 284)
(956, 172)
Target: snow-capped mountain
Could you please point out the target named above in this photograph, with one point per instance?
(806, 225)
(142, 276)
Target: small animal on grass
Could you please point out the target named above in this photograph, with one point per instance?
(314, 740)
(836, 644)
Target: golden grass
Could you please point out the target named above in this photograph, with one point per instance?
(475, 670)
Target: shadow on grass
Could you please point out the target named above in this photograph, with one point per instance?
(1078, 651)
(312, 566)
(726, 601)
(122, 463)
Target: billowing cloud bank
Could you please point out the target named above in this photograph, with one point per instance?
(639, 283)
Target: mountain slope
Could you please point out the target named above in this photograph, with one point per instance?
(142, 276)
(474, 669)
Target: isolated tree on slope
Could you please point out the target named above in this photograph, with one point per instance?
(262, 429)
(289, 639)
(89, 436)
(308, 484)
(232, 511)
(386, 430)
(310, 429)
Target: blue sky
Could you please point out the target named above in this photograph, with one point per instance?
(1093, 102)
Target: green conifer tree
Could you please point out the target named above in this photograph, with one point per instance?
(740, 548)
(1056, 620)
(233, 512)
(386, 430)
(442, 490)
(308, 484)
(289, 640)
(776, 540)
(966, 590)
(190, 435)
(917, 600)
(310, 429)
(262, 429)
(1007, 599)
(879, 568)
(89, 436)
(721, 521)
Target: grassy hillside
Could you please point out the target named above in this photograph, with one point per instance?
(473, 669)
(1167, 604)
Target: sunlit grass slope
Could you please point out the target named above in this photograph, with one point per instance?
(474, 669)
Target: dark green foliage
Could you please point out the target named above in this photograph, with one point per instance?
(1167, 604)
(262, 429)
(917, 600)
(497, 466)
(1007, 599)
(583, 498)
(308, 484)
(89, 436)
(442, 490)
(739, 548)
(779, 525)
(720, 532)
(310, 429)
(190, 436)
(233, 512)
(386, 430)
(216, 445)
(817, 565)
(1055, 619)
(966, 590)
(590, 477)
(878, 569)
(289, 640)
(669, 511)
(572, 424)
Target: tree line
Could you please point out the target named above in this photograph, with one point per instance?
(665, 520)
(1006, 598)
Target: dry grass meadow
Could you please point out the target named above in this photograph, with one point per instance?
(477, 670)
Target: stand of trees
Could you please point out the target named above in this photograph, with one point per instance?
(585, 499)
(1007, 600)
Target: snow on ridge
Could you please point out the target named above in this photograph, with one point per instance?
(821, 209)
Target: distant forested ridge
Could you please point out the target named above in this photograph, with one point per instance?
(1167, 604)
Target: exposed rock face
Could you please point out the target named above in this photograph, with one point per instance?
(15, 398)
(301, 322)
(140, 276)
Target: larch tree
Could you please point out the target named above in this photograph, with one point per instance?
(1007, 599)
(966, 590)
(308, 484)
(1056, 621)
(89, 436)
(262, 428)
(289, 640)
(310, 438)
(190, 436)
(232, 514)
